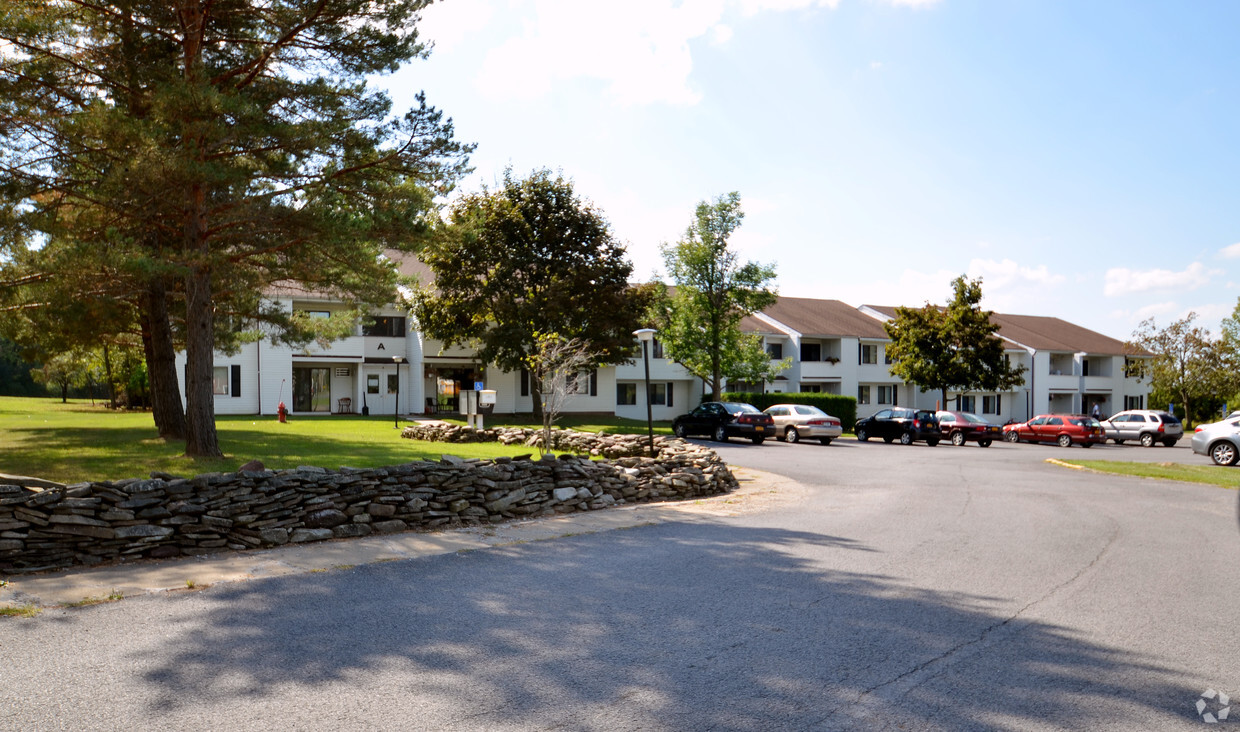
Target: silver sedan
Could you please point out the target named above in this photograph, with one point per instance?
(1219, 440)
(794, 422)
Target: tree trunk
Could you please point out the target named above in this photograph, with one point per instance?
(166, 407)
(64, 393)
(200, 436)
(536, 395)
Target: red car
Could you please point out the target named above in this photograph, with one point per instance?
(962, 427)
(1064, 429)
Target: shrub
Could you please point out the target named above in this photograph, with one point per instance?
(836, 405)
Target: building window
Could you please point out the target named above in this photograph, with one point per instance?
(393, 383)
(219, 380)
(585, 382)
(372, 383)
(387, 327)
(775, 351)
(1134, 402)
(863, 394)
(886, 395)
(811, 351)
(658, 393)
(967, 403)
(811, 388)
(887, 356)
(656, 348)
(992, 404)
(869, 354)
(626, 394)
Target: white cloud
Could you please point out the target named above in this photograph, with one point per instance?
(1124, 281)
(912, 3)
(876, 65)
(639, 50)
(1231, 252)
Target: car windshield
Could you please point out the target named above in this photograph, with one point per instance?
(806, 410)
(901, 413)
(1170, 419)
(974, 418)
(734, 408)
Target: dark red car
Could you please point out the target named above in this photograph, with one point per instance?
(962, 427)
(1064, 429)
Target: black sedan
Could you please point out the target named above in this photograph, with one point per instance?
(906, 425)
(722, 420)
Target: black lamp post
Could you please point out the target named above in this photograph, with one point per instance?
(645, 335)
(396, 410)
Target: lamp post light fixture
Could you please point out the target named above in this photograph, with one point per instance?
(646, 335)
(398, 360)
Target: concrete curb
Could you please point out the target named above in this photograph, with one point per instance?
(759, 491)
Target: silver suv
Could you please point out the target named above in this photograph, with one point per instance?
(1219, 440)
(1147, 425)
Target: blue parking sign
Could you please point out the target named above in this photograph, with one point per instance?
(478, 386)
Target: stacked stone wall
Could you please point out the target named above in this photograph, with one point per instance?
(164, 516)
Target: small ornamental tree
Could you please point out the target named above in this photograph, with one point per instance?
(557, 365)
(1189, 366)
(953, 348)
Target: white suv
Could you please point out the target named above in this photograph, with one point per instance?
(1147, 425)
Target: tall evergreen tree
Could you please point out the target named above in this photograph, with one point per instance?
(222, 147)
(953, 348)
(699, 321)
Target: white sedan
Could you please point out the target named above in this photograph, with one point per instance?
(794, 422)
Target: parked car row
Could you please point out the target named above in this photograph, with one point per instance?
(796, 422)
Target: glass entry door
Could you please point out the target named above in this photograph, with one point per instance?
(312, 389)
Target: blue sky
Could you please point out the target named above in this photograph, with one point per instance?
(1080, 157)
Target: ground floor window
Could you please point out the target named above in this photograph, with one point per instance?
(626, 394)
(219, 380)
(991, 404)
(810, 388)
(968, 404)
(886, 395)
(661, 394)
(1134, 402)
(863, 394)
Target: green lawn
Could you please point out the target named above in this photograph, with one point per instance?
(1205, 473)
(582, 422)
(80, 441)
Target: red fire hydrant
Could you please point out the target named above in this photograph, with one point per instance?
(283, 412)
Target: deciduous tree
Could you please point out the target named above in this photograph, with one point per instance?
(951, 348)
(526, 258)
(1190, 366)
(699, 320)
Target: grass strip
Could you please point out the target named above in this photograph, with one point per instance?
(1205, 474)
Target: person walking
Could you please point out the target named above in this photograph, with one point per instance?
(1097, 413)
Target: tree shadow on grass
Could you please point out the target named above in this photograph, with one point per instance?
(697, 625)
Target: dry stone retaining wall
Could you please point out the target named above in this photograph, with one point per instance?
(582, 443)
(164, 516)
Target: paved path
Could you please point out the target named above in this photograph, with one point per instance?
(875, 587)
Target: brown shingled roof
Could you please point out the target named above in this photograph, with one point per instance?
(1048, 334)
(831, 318)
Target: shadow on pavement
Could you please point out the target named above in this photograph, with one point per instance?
(694, 625)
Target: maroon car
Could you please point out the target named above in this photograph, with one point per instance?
(962, 427)
(1064, 429)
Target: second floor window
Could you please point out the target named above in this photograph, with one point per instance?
(811, 351)
(386, 326)
(775, 351)
(656, 348)
(869, 354)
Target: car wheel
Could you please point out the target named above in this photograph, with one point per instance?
(1065, 441)
(1169, 443)
(957, 438)
(862, 435)
(932, 443)
(906, 438)
(757, 440)
(1223, 453)
(1012, 437)
(792, 435)
(1147, 440)
(825, 440)
(681, 431)
(983, 443)
(1087, 444)
(721, 434)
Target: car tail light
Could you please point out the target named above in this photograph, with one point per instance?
(1199, 428)
(916, 424)
(1162, 428)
